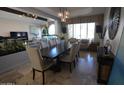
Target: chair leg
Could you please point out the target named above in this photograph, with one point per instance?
(70, 68)
(76, 57)
(33, 74)
(78, 53)
(74, 63)
(43, 78)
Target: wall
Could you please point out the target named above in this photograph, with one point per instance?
(58, 27)
(42, 11)
(116, 40)
(8, 25)
(117, 74)
(38, 11)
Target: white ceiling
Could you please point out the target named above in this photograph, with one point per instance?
(75, 11)
(11, 16)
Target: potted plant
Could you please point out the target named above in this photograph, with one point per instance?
(45, 30)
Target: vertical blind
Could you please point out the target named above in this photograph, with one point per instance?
(81, 30)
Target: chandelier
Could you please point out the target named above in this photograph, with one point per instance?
(64, 13)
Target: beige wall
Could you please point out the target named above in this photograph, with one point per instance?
(58, 27)
(116, 40)
(8, 25)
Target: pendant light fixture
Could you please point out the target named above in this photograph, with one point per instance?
(63, 14)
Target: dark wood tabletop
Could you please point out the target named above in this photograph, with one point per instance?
(101, 54)
(56, 51)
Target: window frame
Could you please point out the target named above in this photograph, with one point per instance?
(80, 37)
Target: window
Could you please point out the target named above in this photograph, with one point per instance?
(81, 30)
(51, 29)
(70, 30)
(91, 31)
(77, 31)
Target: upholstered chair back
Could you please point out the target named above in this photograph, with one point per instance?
(52, 42)
(44, 44)
(73, 51)
(58, 41)
(35, 58)
(72, 40)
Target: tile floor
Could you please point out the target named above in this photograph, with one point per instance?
(85, 73)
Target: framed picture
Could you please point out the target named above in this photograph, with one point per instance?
(104, 32)
(114, 21)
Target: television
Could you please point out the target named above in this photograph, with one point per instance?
(19, 35)
(98, 29)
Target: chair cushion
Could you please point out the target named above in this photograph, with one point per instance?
(47, 65)
(66, 58)
(85, 41)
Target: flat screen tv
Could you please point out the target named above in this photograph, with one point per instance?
(19, 35)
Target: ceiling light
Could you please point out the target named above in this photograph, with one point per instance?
(29, 15)
(66, 16)
(20, 15)
(66, 12)
(63, 14)
(63, 20)
(60, 14)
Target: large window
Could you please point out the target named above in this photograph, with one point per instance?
(51, 29)
(81, 30)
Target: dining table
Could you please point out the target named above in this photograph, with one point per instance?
(54, 53)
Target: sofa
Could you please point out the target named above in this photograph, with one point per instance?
(84, 44)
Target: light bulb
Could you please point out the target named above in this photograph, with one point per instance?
(20, 15)
(66, 16)
(60, 14)
(63, 19)
(66, 13)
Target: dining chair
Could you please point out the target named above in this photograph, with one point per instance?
(44, 44)
(33, 43)
(37, 62)
(52, 42)
(72, 40)
(79, 45)
(78, 50)
(58, 41)
(69, 58)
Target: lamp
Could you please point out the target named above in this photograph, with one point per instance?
(63, 14)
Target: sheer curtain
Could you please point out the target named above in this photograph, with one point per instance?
(82, 30)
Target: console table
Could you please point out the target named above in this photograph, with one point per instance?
(93, 46)
(105, 62)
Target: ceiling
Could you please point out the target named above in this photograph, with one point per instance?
(11, 16)
(75, 11)
(70, 8)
